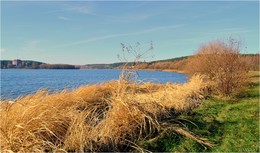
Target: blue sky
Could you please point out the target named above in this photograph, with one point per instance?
(86, 32)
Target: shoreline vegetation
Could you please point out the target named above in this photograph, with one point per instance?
(110, 116)
(125, 116)
(216, 110)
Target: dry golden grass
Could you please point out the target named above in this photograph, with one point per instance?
(112, 116)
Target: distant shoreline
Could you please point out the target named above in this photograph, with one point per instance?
(164, 70)
(167, 65)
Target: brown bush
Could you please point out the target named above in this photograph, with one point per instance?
(178, 65)
(222, 62)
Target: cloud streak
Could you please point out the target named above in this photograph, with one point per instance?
(63, 18)
(130, 18)
(228, 31)
(124, 34)
(80, 9)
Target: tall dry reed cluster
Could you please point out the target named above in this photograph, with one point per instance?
(113, 116)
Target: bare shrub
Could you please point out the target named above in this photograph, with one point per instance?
(222, 62)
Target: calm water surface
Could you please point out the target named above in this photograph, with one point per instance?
(19, 82)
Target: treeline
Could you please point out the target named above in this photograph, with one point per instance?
(102, 66)
(8, 64)
(26, 64)
(174, 64)
(252, 61)
(181, 64)
(57, 66)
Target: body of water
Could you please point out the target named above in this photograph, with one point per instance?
(20, 82)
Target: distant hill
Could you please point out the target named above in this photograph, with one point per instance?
(171, 59)
(179, 63)
(26, 64)
(175, 64)
(29, 64)
(101, 66)
(172, 64)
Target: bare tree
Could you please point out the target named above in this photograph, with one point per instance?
(222, 63)
(131, 56)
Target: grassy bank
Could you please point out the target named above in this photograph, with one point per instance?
(232, 125)
(113, 116)
(125, 116)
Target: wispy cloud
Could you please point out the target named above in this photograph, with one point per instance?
(81, 9)
(129, 18)
(229, 31)
(71, 7)
(63, 18)
(67, 5)
(123, 34)
(160, 28)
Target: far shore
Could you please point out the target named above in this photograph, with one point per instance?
(164, 70)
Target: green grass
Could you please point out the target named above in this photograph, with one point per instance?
(231, 125)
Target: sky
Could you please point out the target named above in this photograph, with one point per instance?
(90, 32)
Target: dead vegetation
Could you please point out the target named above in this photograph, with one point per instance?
(112, 116)
(222, 62)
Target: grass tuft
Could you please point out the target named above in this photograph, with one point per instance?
(113, 116)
